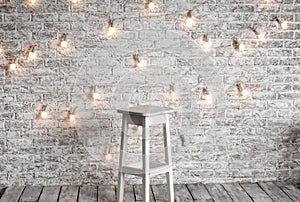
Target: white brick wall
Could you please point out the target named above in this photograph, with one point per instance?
(251, 138)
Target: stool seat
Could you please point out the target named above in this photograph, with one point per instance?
(155, 168)
(146, 110)
(146, 116)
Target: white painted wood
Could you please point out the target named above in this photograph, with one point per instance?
(146, 116)
(124, 137)
(168, 157)
(146, 162)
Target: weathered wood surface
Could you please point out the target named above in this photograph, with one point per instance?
(182, 193)
(31, 194)
(236, 192)
(50, 194)
(200, 193)
(12, 194)
(68, 193)
(87, 194)
(256, 193)
(160, 192)
(232, 192)
(138, 192)
(275, 192)
(2, 190)
(218, 193)
(292, 191)
(107, 193)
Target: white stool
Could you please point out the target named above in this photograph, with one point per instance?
(146, 116)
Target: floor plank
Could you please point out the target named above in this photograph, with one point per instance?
(106, 193)
(12, 194)
(2, 190)
(291, 190)
(68, 193)
(256, 193)
(200, 193)
(274, 192)
(160, 192)
(50, 194)
(87, 194)
(31, 194)
(139, 193)
(182, 193)
(236, 192)
(218, 193)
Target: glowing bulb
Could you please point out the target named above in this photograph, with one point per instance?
(151, 6)
(242, 91)
(261, 37)
(1, 51)
(72, 117)
(206, 45)
(12, 66)
(64, 44)
(172, 95)
(95, 96)
(31, 55)
(284, 25)
(44, 114)
(32, 1)
(189, 22)
(241, 47)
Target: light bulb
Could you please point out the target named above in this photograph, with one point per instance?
(72, 117)
(95, 96)
(63, 44)
(261, 37)
(284, 25)
(1, 51)
(151, 6)
(111, 31)
(44, 114)
(32, 1)
(12, 66)
(31, 55)
(241, 47)
(189, 22)
(172, 95)
(206, 45)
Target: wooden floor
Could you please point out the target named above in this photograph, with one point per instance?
(258, 192)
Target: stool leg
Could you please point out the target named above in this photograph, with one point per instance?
(168, 158)
(122, 158)
(146, 153)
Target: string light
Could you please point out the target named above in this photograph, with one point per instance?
(205, 43)
(238, 46)
(110, 29)
(71, 115)
(282, 24)
(63, 41)
(260, 36)
(188, 21)
(42, 112)
(11, 65)
(137, 61)
(150, 6)
(31, 2)
(206, 96)
(95, 94)
(241, 90)
(30, 54)
(172, 94)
